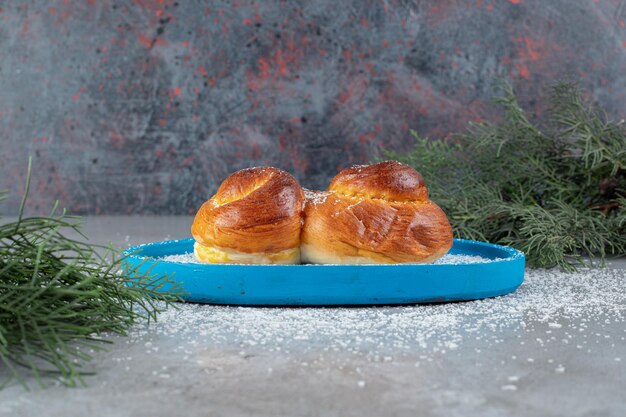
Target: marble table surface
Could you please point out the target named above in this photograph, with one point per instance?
(556, 347)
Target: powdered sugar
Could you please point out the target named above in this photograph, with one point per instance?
(185, 258)
(315, 197)
(445, 260)
(463, 259)
(376, 333)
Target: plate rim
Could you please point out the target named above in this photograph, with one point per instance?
(133, 253)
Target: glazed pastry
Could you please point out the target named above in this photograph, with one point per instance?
(255, 217)
(374, 214)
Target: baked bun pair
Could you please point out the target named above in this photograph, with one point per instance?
(370, 214)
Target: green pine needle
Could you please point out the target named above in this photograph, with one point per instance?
(61, 297)
(557, 192)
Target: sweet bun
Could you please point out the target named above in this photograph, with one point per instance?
(255, 217)
(374, 214)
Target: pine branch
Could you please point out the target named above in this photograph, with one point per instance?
(60, 297)
(557, 193)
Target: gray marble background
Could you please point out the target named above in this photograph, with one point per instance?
(145, 106)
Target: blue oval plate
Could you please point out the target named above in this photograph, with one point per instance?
(291, 285)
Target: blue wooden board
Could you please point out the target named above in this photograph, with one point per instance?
(292, 285)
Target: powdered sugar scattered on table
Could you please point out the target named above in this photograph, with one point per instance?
(553, 304)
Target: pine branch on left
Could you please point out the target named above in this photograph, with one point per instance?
(60, 296)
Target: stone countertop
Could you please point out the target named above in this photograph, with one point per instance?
(556, 347)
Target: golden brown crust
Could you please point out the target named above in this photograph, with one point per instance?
(377, 214)
(389, 180)
(255, 210)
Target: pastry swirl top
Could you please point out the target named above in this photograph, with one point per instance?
(255, 210)
(389, 180)
(374, 214)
